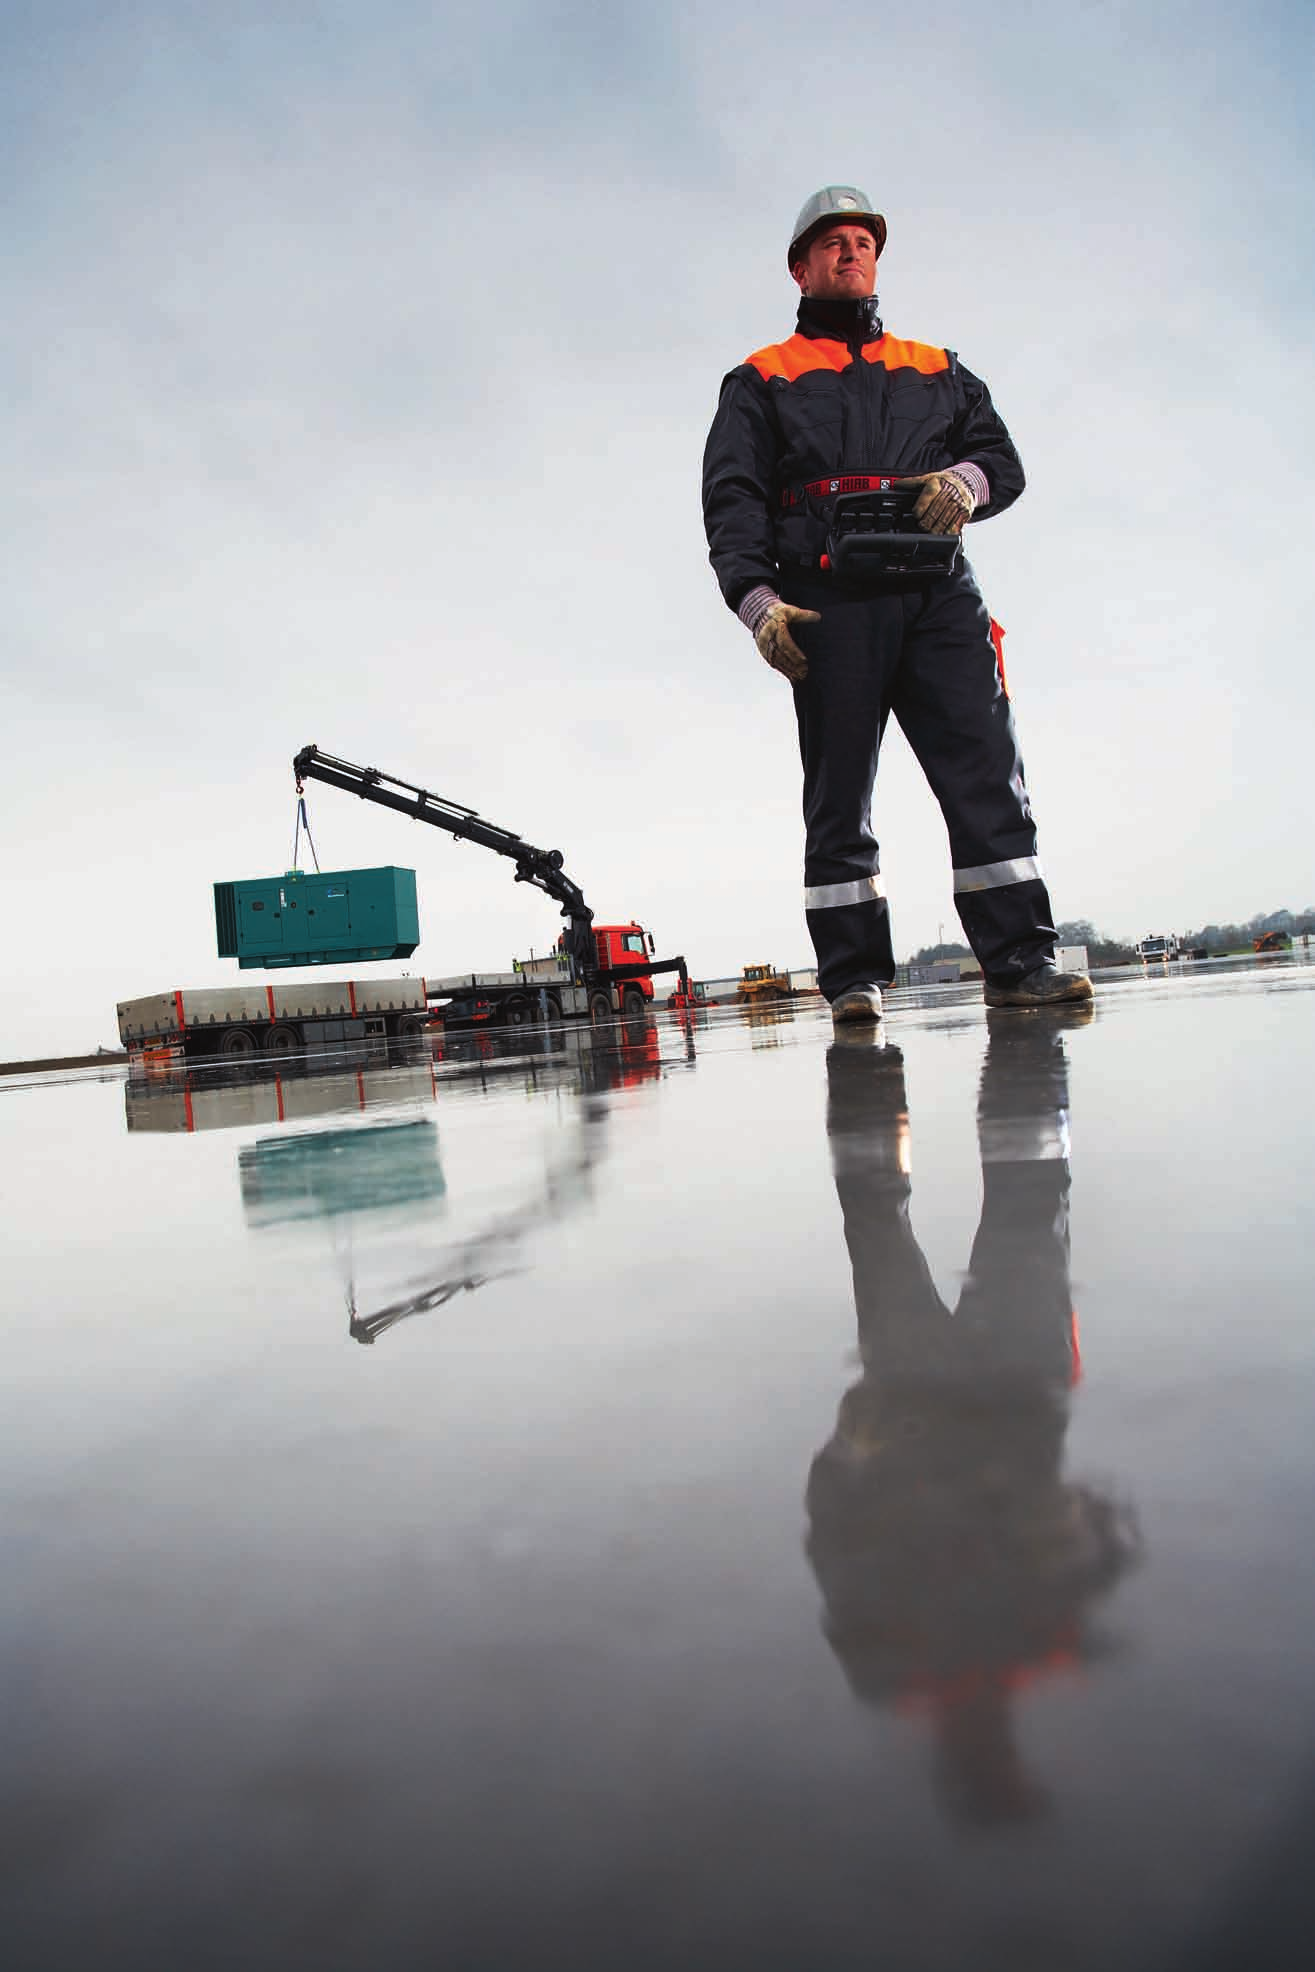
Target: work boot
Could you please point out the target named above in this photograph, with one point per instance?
(858, 1003)
(1046, 986)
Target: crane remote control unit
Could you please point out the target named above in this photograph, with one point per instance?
(874, 533)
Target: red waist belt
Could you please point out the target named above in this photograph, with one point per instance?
(849, 482)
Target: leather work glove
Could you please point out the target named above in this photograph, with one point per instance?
(945, 502)
(778, 646)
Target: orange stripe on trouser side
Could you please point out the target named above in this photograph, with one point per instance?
(998, 639)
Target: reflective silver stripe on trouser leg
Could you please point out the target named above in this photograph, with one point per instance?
(995, 876)
(831, 896)
(1024, 1139)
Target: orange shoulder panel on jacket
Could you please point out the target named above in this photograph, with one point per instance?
(894, 354)
(797, 357)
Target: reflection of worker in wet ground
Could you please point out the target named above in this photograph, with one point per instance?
(957, 1562)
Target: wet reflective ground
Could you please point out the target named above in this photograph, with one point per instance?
(675, 1496)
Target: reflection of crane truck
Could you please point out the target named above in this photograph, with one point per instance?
(601, 971)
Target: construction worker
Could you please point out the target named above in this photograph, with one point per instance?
(959, 1564)
(841, 408)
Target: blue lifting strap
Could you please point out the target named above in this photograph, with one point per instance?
(303, 822)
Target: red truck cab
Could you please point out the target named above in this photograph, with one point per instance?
(625, 947)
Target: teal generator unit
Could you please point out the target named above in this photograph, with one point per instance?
(324, 919)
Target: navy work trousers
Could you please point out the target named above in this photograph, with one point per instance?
(927, 656)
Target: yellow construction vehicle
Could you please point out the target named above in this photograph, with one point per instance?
(763, 982)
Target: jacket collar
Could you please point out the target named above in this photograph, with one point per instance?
(853, 322)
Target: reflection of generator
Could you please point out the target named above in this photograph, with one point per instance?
(321, 1173)
(874, 536)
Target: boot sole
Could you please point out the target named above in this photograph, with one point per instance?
(1025, 1003)
(855, 1015)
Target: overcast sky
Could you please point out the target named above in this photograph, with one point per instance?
(358, 362)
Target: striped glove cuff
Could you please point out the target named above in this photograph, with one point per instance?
(754, 607)
(974, 483)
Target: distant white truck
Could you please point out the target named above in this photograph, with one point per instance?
(1157, 946)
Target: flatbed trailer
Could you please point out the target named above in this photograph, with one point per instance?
(295, 1017)
(279, 1019)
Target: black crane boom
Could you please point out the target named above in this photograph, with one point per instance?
(541, 867)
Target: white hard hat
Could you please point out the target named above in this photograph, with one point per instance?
(843, 202)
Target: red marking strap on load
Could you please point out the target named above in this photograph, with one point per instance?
(187, 1110)
(847, 482)
(178, 1008)
(351, 996)
(269, 995)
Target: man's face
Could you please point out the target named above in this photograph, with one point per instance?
(840, 264)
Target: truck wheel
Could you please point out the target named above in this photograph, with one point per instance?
(516, 1012)
(632, 1003)
(282, 1038)
(552, 1006)
(409, 1025)
(236, 1040)
(600, 1005)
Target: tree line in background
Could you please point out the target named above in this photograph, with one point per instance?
(1213, 938)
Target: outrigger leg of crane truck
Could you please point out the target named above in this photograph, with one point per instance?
(544, 868)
